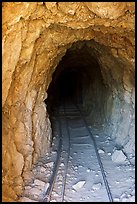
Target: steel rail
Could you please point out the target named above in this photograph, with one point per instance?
(98, 157)
(55, 168)
(48, 193)
(68, 154)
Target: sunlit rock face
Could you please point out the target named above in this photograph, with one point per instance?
(35, 37)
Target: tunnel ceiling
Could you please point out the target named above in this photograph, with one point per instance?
(35, 38)
(78, 57)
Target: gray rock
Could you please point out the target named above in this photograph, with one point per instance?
(62, 164)
(116, 199)
(49, 164)
(79, 185)
(101, 151)
(118, 156)
(88, 170)
(96, 186)
(39, 183)
(42, 169)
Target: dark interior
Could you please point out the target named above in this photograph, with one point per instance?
(76, 80)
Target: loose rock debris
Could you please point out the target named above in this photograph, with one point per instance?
(79, 185)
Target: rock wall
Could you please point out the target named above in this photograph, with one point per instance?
(35, 36)
(109, 97)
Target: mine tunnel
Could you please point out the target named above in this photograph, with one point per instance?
(94, 82)
(82, 78)
(64, 53)
(77, 79)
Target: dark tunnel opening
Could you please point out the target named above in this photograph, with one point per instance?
(68, 85)
(75, 79)
(66, 88)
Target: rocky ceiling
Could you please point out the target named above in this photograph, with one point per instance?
(35, 37)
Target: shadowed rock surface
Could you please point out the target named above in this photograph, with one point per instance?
(91, 44)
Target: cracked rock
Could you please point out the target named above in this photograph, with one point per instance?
(96, 186)
(118, 156)
(79, 185)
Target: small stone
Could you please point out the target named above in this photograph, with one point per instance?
(79, 185)
(62, 164)
(42, 169)
(34, 191)
(109, 153)
(54, 152)
(100, 151)
(38, 182)
(88, 170)
(123, 195)
(50, 164)
(118, 156)
(96, 186)
(55, 194)
(116, 199)
(28, 187)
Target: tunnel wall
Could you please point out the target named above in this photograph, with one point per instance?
(35, 36)
(110, 99)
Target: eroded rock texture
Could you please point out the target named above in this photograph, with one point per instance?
(36, 35)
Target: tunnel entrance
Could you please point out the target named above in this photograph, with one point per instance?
(76, 79)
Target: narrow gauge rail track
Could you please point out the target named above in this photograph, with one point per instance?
(47, 196)
(66, 113)
(98, 157)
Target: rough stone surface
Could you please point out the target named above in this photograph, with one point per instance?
(96, 186)
(110, 10)
(79, 185)
(118, 156)
(35, 37)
